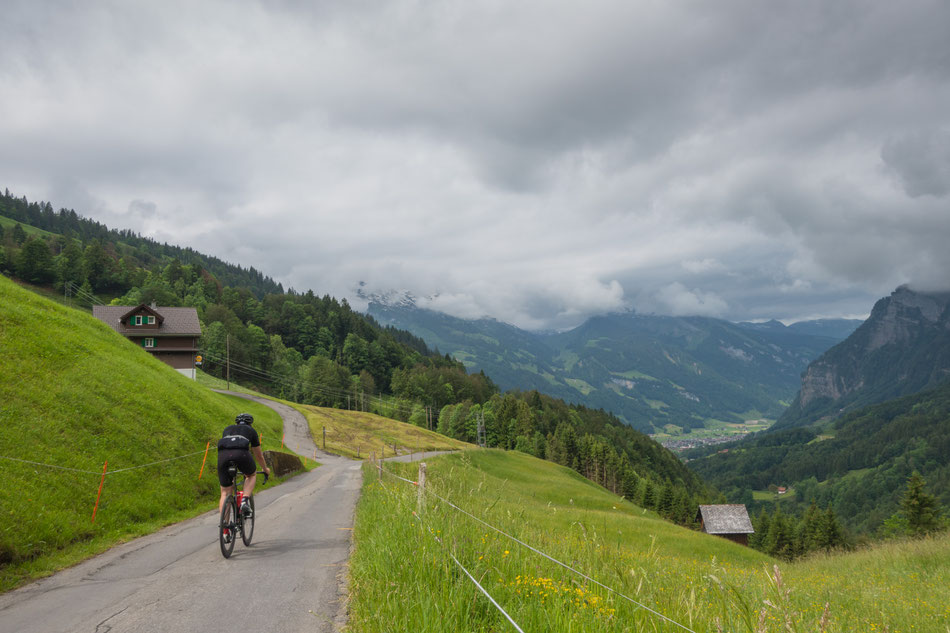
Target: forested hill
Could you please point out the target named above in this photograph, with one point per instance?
(317, 350)
(130, 250)
(860, 464)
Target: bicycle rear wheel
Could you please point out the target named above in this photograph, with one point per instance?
(227, 530)
(248, 532)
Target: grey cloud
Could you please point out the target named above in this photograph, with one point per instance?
(921, 160)
(143, 208)
(538, 162)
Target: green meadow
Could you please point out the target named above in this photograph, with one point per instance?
(405, 579)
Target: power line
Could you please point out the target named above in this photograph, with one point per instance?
(256, 372)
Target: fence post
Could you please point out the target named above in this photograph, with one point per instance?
(99, 494)
(324, 438)
(204, 460)
(358, 451)
(420, 502)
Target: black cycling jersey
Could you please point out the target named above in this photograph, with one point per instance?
(244, 430)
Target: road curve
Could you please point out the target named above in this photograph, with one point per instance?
(291, 579)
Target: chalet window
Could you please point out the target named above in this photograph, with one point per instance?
(149, 342)
(151, 320)
(137, 320)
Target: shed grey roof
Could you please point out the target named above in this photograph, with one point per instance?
(731, 518)
(175, 321)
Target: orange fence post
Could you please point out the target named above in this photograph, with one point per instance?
(281, 442)
(261, 437)
(204, 460)
(99, 494)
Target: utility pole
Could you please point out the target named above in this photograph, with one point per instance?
(481, 430)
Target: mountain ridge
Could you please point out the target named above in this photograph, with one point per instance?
(902, 348)
(610, 362)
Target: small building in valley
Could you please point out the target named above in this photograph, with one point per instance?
(169, 334)
(730, 521)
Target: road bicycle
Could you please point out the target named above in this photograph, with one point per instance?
(233, 521)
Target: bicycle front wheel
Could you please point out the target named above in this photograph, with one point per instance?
(248, 532)
(227, 530)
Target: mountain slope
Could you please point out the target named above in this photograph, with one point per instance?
(648, 370)
(903, 347)
(860, 463)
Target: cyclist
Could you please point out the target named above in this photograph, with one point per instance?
(237, 443)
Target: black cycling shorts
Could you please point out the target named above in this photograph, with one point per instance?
(243, 459)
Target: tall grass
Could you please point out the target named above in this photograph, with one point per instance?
(75, 394)
(405, 580)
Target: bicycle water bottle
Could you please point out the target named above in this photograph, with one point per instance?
(240, 498)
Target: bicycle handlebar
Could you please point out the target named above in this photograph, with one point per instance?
(266, 476)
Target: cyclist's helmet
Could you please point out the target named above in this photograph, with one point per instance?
(244, 418)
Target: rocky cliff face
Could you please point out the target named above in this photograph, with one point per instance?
(903, 347)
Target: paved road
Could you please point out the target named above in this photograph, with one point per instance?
(291, 579)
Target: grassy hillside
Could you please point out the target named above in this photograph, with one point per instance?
(404, 578)
(75, 394)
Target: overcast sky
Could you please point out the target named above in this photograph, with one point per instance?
(534, 161)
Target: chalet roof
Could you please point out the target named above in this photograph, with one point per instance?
(173, 321)
(142, 309)
(730, 518)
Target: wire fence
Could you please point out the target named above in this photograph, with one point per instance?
(428, 491)
(104, 473)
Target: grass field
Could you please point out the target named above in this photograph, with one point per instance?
(714, 428)
(404, 577)
(356, 434)
(75, 395)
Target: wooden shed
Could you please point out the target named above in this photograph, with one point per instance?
(730, 521)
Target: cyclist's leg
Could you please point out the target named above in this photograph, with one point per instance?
(247, 466)
(224, 478)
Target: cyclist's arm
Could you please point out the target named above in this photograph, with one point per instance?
(259, 456)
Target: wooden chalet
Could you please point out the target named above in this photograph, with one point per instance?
(729, 521)
(169, 334)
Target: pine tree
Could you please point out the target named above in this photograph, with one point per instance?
(809, 533)
(19, 235)
(922, 510)
(780, 543)
(761, 535)
(647, 495)
(830, 533)
(664, 504)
